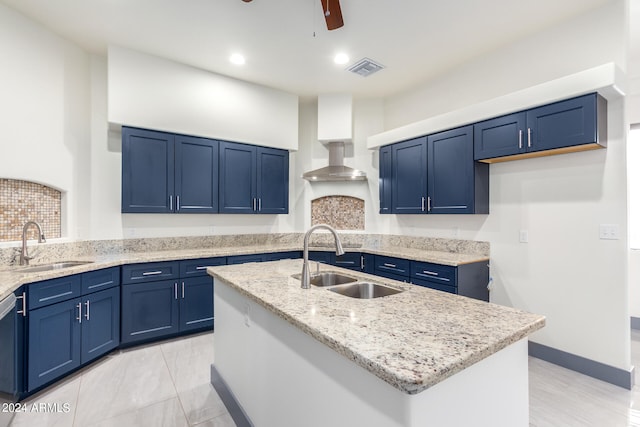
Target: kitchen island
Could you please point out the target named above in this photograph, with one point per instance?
(287, 356)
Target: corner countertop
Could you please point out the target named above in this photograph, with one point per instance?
(12, 277)
(412, 340)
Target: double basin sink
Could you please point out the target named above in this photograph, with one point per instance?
(53, 266)
(349, 286)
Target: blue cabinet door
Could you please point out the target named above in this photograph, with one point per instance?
(147, 171)
(350, 260)
(563, 124)
(53, 342)
(196, 303)
(409, 176)
(237, 178)
(196, 175)
(100, 323)
(149, 310)
(499, 137)
(451, 172)
(272, 184)
(384, 182)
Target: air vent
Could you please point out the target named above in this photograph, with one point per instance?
(365, 67)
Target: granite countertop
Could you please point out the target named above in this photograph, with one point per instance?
(412, 340)
(12, 277)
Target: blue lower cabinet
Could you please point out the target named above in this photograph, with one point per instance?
(435, 285)
(54, 342)
(100, 323)
(350, 260)
(241, 259)
(322, 256)
(275, 256)
(196, 303)
(149, 310)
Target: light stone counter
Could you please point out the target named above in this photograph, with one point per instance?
(411, 340)
(103, 254)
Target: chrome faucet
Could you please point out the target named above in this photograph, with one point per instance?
(306, 276)
(24, 255)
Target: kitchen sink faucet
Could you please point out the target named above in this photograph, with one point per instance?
(306, 276)
(24, 255)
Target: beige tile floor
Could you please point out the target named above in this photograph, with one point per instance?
(167, 384)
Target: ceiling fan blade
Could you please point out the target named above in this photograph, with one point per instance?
(332, 13)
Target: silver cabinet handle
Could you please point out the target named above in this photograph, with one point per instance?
(86, 315)
(171, 202)
(79, 318)
(175, 290)
(430, 273)
(520, 139)
(254, 203)
(529, 137)
(389, 265)
(422, 205)
(182, 290)
(177, 203)
(259, 204)
(24, 305)
(201, 267)
(429, 204)
(152, 273)
(361, 262)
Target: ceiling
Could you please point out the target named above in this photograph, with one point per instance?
(286, 43)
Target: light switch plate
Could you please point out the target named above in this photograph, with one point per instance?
(524, 236)
(609, 231)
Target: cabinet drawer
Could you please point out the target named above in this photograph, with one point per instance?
(198, 267)
(438, 273)
(385, 264)
(101, 279)
(149, 272)
(241, 259)
(53, 291)
(436, 286)
(351, 260)
(322, 256)
(275, 256)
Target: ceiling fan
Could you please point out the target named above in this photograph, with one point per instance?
(332, 13)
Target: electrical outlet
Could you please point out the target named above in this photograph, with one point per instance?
(609, 232)
(524, 236)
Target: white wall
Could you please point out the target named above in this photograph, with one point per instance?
(565, 272)
(151, 92)
(44, 111)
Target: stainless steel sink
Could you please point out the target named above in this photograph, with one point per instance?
(54, 266)
(328, 278)
(364, 290)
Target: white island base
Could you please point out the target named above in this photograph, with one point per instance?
(279, 377)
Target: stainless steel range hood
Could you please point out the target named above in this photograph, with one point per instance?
(336, 171)
(335, 127)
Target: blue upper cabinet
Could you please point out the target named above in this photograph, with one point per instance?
(237, 178)
(165, 173)
(456, 184)
(253, 179)
(196, 175)
(434, 174)
(502, 136)
(576, 124)
(147, 171)
(384, 181)
(273, 181)
(409, 176)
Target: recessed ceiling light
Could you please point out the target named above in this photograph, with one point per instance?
(237, 59)
(341, 59)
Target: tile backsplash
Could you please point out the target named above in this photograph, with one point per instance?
(340, 212)
(22, 201)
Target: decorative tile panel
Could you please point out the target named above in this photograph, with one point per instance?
(22, 201)
(340, 212)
